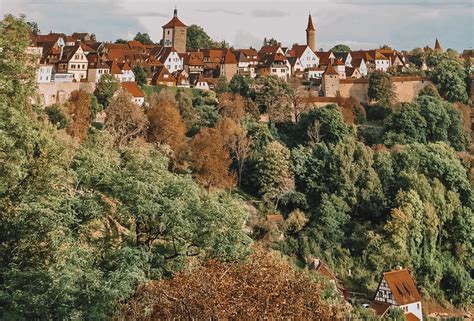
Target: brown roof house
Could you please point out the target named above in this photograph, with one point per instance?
(397, 289)
(138, 97)
(163, 77)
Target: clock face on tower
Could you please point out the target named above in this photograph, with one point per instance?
(168, 43)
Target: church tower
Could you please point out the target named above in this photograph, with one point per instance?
(311, 34)
(174, 34)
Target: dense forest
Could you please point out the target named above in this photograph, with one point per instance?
(144, 215)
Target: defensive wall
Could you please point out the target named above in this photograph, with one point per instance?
(52, 93)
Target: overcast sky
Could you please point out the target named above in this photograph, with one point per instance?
(361, 24)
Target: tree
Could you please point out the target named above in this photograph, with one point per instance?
(125, 120)
(238, 142)
(165, 125)
(341, 48)
(140, 75)
(211, 160)
(229, 290)
(197, 38)
(242, 85)
(381, 88)
(298, 98)
(417, 57)
(56, 116)
(405, 125)
(272, 97)
(449, 75)
(222, 85)
(121, 41)
(106, 88)
(17, 76)
(330, 124)
(186, 109)
(274, 175)
(33, 27)
(232, 106)
(79, 114)
(144, 38)
(386, 47)
(270, 42)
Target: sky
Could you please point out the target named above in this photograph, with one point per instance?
(361, 24)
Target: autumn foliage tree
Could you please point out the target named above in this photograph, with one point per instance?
(211, 159)
(165, 124)
(78, 113)
(265, 286)
(125, 120)
(232, 106)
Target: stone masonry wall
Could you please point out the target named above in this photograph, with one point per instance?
(51, 93)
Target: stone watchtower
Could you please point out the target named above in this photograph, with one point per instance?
(174, 34)
(311, 34)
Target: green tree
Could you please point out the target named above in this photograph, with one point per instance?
(33, 27)
(381, 88)
(272, 97)
(242, 85)
(449, 76)
(274, 175)
(341, 48)
(140, 75)
(222, 85)
(197, 38)
(106, 88)
(144, 38)
(270, 42)
(56, 116)
(121, 41)
(405, 125)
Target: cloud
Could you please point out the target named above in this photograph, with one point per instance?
(147, 14)
(221, 10)
(245, 39)
(269, 13)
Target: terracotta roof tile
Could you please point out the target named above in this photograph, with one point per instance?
(133, 89)
(380, 308)
(402, 286)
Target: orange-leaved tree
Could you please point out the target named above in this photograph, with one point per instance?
(264, 287)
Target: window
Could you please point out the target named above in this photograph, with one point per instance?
(282, 70)
(274, 70)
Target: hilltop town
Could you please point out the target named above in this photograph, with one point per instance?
(80, 58)
(190, 179)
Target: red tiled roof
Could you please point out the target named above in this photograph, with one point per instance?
(402, 286)
(411, 317)
(195, 58)
(339, 63)
(160, 73)
(175, 22)
(330, 70)
(133, 89)
(380, 308)
(299, 50)
(229, 58)
(324, 57)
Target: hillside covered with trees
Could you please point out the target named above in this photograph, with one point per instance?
(161, 211)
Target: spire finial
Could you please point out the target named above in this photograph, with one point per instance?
(175, 11)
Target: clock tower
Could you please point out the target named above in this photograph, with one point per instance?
(174, 34)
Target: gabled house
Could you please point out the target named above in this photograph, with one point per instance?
(228, 64)
(182, 79)
(138, 97)
(325, 58)
(212, 62)
(397, 289)
(97, 68)
(193, 62)
(352, 72)
(163, 77)
(170, 58)
(306, 56)
(205, 83)
(360, 64)
(297, 69)
(121, 71)
(345, 57)
(323, 269)
(275, 64)
(247, 60)
(74, 61)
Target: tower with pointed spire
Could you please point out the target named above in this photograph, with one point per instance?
(311, 34)
(437, 46)
(174, 33)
